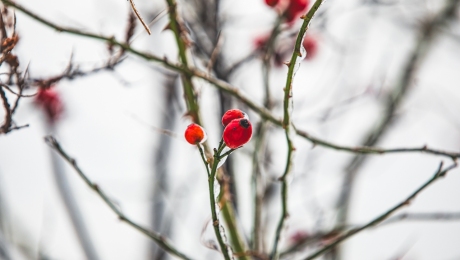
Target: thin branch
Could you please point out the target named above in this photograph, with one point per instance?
(322, 236)
(205, 160)
(159, 239)
(228, 88)
(437, 216)
(439, 173)
(5, 128)
(287, 109)
(139, 17)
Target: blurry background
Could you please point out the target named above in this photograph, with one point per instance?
(112, 123)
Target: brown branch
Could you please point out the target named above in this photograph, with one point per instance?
(139, 17)
(158, 238)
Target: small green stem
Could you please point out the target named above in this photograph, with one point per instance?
(205, 161)
(227, 153)
(212, 198)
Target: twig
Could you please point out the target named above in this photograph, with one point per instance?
(5, 128)
(71, 205)
(205, 160)
(228, 88)
(159, 239)
(321, 236)
(287, 109)
(257, 188)
(438, 216)
(439, 173)
(139, 17)
(212, 198)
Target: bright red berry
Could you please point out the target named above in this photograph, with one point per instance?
(50, 101)
(311, 46)
(271, 3)
(231, 115)
(195, 134)
(237, 133)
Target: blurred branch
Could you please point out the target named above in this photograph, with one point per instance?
(72, 71)
(426, 35)
(161, 217)
(324, 236)
(228, 88)
(72, 207)
(159, 239)
(5, 128)
(260, 136)
(287, 109)
(257, 188)
(181, 40)
(439, 173)
(439, 216)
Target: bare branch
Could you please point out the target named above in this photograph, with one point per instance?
(139, 17)
(439, 173)
(235, 92)
(159, 239)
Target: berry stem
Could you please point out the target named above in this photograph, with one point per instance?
(212, 199)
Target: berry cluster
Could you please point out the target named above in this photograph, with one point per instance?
(237, 132)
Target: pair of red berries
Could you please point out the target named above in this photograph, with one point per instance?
(237, 132)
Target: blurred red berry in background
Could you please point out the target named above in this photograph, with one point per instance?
(51, 103)
(195, 134)
(260, 42)
(295, 9)
(271, 3)
(311, 46)
(237, 133)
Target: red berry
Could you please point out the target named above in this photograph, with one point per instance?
(237, 133)
(231, 115)
(51, 102)
(272, 3)
(311, 46)
(195, 134)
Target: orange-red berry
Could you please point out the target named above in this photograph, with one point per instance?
(237, 133)
(195, 134)
(231, 115)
